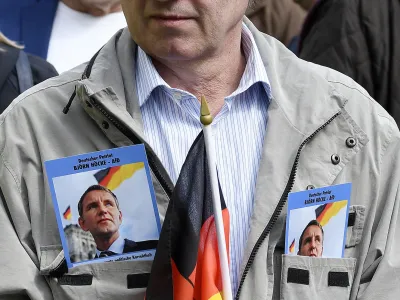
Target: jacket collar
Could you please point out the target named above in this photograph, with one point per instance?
(306, 99)
(112, 81)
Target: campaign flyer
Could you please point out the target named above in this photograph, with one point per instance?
(105, 205)
(316, 221)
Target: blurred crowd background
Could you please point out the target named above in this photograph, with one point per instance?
(360, 38)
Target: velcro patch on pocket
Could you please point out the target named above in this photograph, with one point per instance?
(137, 281)
(77, 280)
(338, 279)
(352, 219)
(299, 276)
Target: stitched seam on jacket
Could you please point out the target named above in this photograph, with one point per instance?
(366, 96)
(353, 88)
(12, 173)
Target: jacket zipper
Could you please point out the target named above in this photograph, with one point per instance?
(280, 205)
(155, 165)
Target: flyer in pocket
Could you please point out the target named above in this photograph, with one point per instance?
(316, 221)
(105, 206)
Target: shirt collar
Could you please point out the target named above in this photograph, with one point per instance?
(255, 70)
(148, 78)
(116, 247)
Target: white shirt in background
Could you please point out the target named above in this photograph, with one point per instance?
(77, 36)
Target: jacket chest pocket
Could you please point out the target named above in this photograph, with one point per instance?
(105, 280)
(316, 278)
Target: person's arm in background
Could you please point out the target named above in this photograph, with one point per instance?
(10, 57)
(281, 19)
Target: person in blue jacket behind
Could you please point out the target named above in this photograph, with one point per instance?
(52, 29)
(28, 22)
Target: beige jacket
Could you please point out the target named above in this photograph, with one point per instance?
(313, 112)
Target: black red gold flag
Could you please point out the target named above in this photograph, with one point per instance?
(67, 213)
(113, 177)
(325, 212)
(292, 246)
(186, 265)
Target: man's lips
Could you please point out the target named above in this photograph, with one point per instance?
(103, 221)
(170, 16)
(170, 19)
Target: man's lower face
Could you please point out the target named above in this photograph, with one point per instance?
(311, 251)
(104, 227)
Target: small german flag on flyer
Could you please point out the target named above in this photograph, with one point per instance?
(316, 221)
(105, 206)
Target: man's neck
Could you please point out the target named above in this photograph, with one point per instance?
(103, 243)
(97, 10)
(215, 77)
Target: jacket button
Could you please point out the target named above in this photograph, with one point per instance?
(105, 125)
(310, 187)
(335, 159)
(351, 142)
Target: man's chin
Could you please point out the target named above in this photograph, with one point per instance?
(175, 50)
(105, 232)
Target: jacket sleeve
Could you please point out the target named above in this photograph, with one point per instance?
(381, 270)
(332, 36)
(19, 276)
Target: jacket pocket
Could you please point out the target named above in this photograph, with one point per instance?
(316, 278)
(103, 280)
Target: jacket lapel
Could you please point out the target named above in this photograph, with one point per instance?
(116, 88)
(36, 25)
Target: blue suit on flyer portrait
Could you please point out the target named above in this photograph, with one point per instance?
(28, 22)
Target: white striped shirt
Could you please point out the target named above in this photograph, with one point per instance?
(171, 121)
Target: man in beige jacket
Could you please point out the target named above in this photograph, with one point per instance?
(320, 128)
